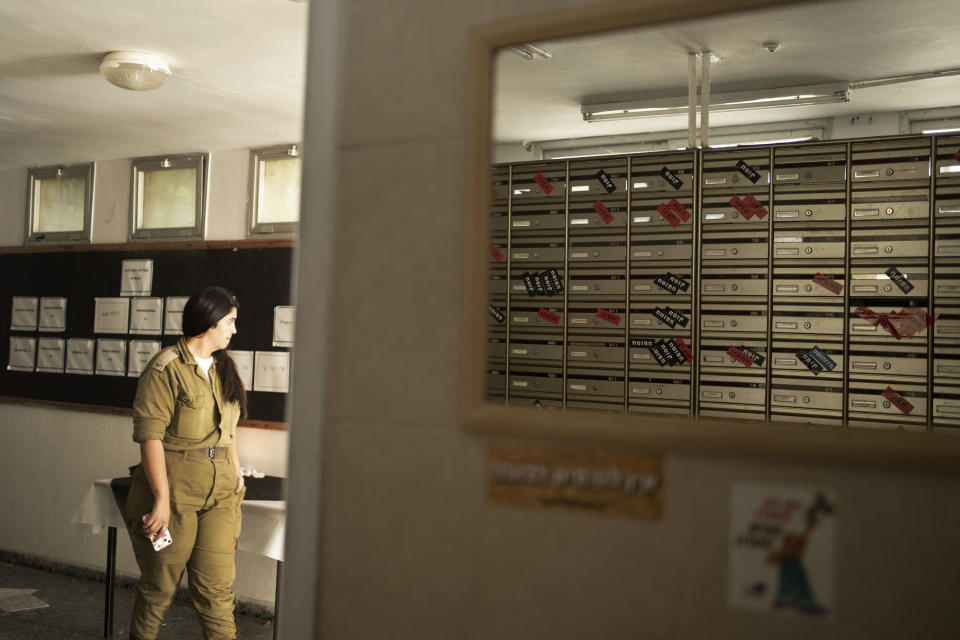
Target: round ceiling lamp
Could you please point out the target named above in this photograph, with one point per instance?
(134, 71)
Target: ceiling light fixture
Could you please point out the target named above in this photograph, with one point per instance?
(134, 71)
(740, 101)
(528, 51)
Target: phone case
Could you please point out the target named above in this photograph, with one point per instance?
(162, 540)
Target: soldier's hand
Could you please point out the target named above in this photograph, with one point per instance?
(158, 519)
(239, 484)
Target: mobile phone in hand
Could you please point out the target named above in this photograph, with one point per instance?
(161, 540)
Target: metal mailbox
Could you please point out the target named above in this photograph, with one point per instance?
(497, 347)
(545, 181)
(737, 169)
(808, 319)
(717, 210)
(864, 329)
(595, 351)
(496, 383)
(537, 250)
(809, 165)
(802, 282)
(732, 389)
(535, 403)
(536, 348)
(661, 247)
(948, 281)
(807, 416)
(733, 281)
(908, 204)
(597, 249)
(662, 172)
(890, 160)
(946, 322)
(806, 393)
(530, 380)
(809, 244)
(528, 314)
(874, 282)
(606, 405)
(786, 360)
(537, 218)
(946, 206)
(644, 317)
(714, 356)
(946, 360)
(641, 359)
(868, 359)
(946, 164)
(808, 204)
(498, 218)
(645, 217)
(866, 397)
(888, 243)
(946, 242)
(587, 384)
(644, 281)
(946, 405)
(736, 245)
(598, 179)
(518, 288)
(500, 186)
(587, 283)
(591, 217)
(670, 389)
(744, 317)
(587, 315)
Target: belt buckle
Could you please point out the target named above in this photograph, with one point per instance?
(212, 453)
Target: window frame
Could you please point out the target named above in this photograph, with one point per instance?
(200, 162)
(254, 226)
(85, 170)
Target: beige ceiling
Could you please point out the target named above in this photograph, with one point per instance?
(238, 77)
(837, 40)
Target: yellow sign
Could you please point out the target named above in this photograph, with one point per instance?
(626, 484)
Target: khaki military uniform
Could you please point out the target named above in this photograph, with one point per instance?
(181, 407)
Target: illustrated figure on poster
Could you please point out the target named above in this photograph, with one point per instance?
(793, 588)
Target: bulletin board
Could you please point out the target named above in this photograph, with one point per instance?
(257, 272)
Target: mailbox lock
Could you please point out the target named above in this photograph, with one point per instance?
(595, 388)
(733, 323)
(888, 249)
(596, 354)
(536, 255)
(808, 287)
(659, 252)
(886, 405)
(735, 179)
(808, 174)
(808, 250)
(889, 211)
(735, 215)
(734, 251)
(886, 365)
(733, 287)
(806, 325)
(732, 394)
(660, 183)
(808, 212)
(596, 218)
(596, 253)
(890, 173)
(659, 390)
(596, 287)
(887, 288)
(806, 399)
(660, 218)
(536, 352)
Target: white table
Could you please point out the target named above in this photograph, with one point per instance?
(262, 533)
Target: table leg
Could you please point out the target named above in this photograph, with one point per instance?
(111, 578)
(276, 601)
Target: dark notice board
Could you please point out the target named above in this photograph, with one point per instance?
(258, 275)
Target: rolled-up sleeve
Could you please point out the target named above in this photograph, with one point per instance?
(154, 405)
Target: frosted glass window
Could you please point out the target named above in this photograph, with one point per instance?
(275, 189)
(60, 200)
(168, 196)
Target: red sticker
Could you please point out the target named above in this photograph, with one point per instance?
(884, 321)
(957, 156)
(687, 354)
(545, 185)
(668, 215)
(679, 209)
(549, 316)
(741, 206)
(601, 209)
(895, 398)
(868, 314)
(495, 252)
(756, 209)
(609, 316)
(828, 283)
(493, 193)
(910, 321)
(740, 356)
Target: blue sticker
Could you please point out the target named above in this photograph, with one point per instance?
(822, 358)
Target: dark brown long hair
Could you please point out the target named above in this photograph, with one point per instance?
(203, 311)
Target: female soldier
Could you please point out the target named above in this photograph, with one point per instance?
(185, 415)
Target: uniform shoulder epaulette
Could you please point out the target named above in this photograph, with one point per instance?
(164, 358)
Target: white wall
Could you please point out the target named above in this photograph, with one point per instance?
(49, 457)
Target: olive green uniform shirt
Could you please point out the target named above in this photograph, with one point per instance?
(179, 405)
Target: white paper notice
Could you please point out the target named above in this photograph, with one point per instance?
(50, 355)
(173, 318)
(137, 278)
(146, 316)
(22, 353)
(271, 371)
(24, 315)
(80, 355)
(244, 361)
(53, 314)
(140, 353)
(111, 356)
(111, 315)
(781, 549)
(283, 326)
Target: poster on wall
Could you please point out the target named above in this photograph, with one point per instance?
(136, 278)
(781, 549)
(173, 317)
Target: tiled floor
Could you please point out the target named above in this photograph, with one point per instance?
(76, 611)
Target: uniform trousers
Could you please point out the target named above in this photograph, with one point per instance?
(204, 525)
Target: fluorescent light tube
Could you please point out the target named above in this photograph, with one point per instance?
(739, 101)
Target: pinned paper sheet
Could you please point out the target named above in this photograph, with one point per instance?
(283, 322)
(271, 371)
(173, 318)
(244, 362)
(136, 278)
(50, 355)
(20, 600)
(146, 316)
(23, 353)
(80, 355)
(111, 357)
(140, 353)
(24, 314)
(53, 314)
(111, 315)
